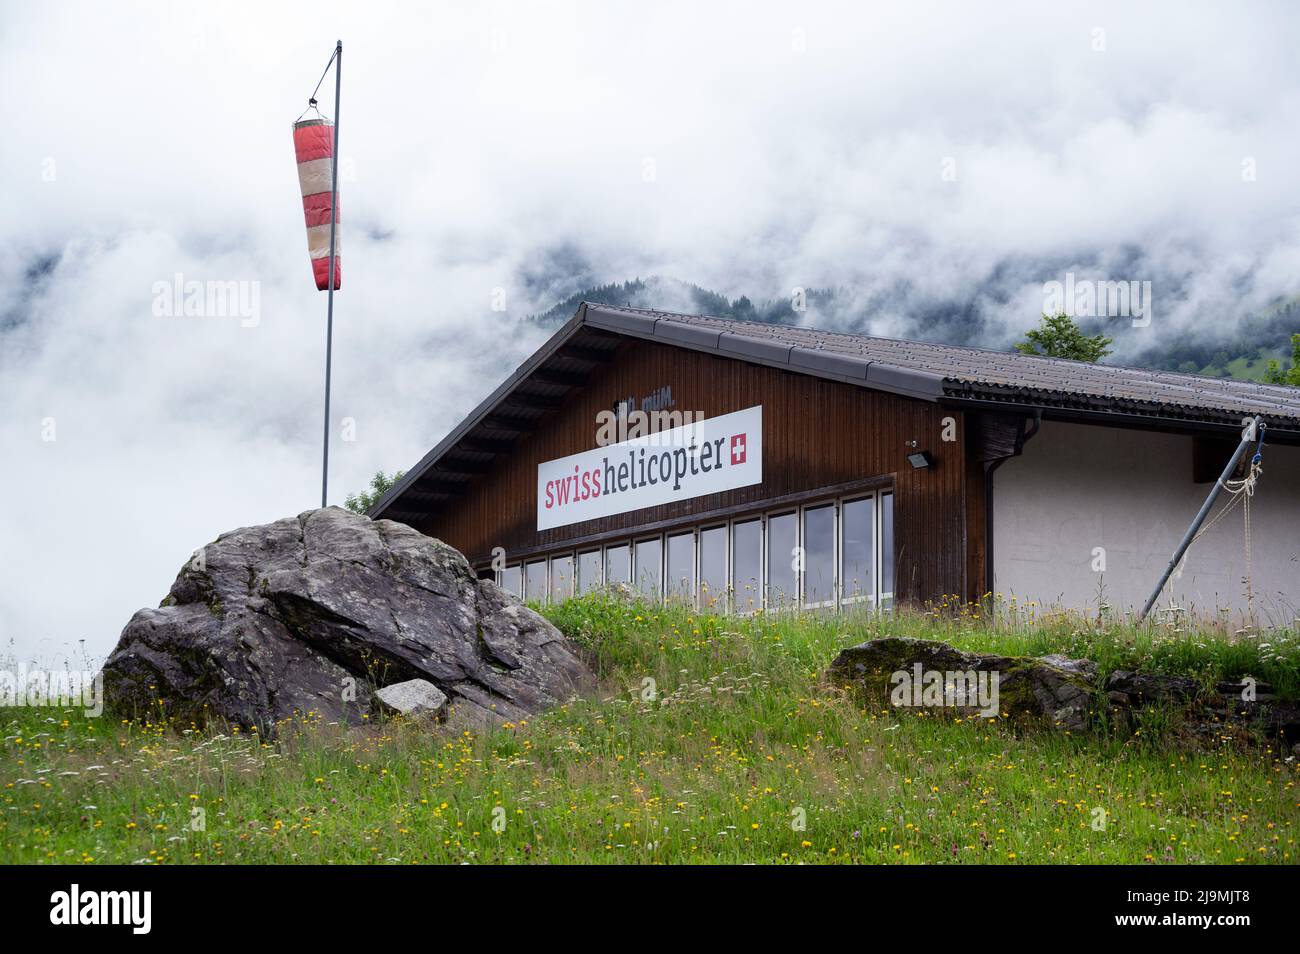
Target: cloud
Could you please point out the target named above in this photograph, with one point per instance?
(531, 149)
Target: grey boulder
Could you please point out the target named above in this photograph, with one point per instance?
(311, 615)
(415, 697)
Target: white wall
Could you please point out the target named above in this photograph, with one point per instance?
(1079, 486)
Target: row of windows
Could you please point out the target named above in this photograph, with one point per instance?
(823, 555)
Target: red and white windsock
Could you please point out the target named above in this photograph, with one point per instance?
(313, 141)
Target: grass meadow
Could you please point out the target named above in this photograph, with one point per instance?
(714, 739)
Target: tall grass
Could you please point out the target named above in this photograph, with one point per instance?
(618, 629)
(712, 739)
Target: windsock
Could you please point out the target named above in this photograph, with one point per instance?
(313, 142)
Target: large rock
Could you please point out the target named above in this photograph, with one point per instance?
(314, 613)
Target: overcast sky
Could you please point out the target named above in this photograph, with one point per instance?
(747, 147)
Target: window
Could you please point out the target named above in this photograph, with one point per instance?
(713, 569)
(819, 555)
(858, 550)
(535, 581)
(834, 553)
(589, 577)
(747, 565)
(679, 581)
(782, 541)
(618, 564)
(648, 560)
(511, 579)
(561, 577)
(886, 546)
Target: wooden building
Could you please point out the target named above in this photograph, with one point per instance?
(739, 464)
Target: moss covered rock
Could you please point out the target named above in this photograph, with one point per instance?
(925, 674)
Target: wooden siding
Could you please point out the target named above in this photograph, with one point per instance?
(816, 433)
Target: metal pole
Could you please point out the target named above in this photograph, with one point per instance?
(1248, 435)
(329, 321)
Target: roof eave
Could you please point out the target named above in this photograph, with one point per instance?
(922, 385)
(476, 416)
(1119, 414)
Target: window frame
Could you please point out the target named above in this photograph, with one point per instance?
(636, 565)
(545, 561)
(722, 599)
(501, 573)
(604, 562)
(578, 586)
(550, 577)
(884, 601)
(802, 582)
(761, 582)
(793, 599)
(870, 597)
(691, 598)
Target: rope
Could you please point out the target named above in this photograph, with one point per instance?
(1255, 470)
(1241, 492)
(311, 100)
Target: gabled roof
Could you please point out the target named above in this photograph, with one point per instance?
(936, 369)
(970, 377)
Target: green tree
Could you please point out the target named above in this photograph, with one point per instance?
(1057, 336)
(1276, 374)
(379, 485)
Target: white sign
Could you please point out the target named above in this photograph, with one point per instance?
(705, 457)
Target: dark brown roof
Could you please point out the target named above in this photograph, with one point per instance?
(970, 377)
(967, 372)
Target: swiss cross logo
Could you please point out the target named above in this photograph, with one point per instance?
(737, 449)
